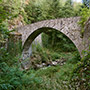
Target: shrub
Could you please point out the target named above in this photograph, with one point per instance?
(81, 74)
(85, 14)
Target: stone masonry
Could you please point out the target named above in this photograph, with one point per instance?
(68, 26)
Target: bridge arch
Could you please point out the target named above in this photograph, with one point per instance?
(68, 26)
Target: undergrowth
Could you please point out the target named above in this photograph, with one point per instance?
(48, 78)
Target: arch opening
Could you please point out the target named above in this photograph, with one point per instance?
(37, 32)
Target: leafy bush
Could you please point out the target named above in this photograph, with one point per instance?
(85, 14)
(3, 33)
(75, 58)
(81, 74)
(43, 53)
(11, 9)
(37, 11)
(55, 56)
(80, 78)
(50, 78)
(58, 41)
(45, 40)
(8, 51)
(12, 78)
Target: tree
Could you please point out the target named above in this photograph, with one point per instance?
(67, 9)
(33, 11)
(54, 8)
(86, 3)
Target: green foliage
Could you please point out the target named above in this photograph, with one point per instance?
(85, 13)
(42, 79)
(58, 41)
(3, 13)
(45, 40)
(7, 55)
(49, 71)
(55, 56)
(67, 10)
(50, 78)
(48, 10)
(33, 12)
(75, 58)
(14, 46)
(86, 3)
(13, 7)
(53, 11)
(3, 33)
(80, 78)
(46, 55)
(43, 53)
(56, 77)
(12, 78)
(81, 73)
(37, 11)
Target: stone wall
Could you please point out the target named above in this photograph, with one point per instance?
(68, 26)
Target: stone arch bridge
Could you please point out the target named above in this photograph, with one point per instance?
(68, 26)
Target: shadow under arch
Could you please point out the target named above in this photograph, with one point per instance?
(34, 34)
